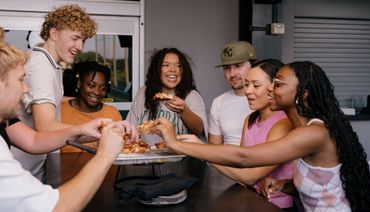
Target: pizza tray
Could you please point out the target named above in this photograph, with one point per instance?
(164, 155)
(154, 156)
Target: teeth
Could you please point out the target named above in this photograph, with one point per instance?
(172, 77)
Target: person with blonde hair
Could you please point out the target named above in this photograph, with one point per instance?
(20, 191)
(2, 34)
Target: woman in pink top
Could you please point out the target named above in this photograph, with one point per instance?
(323, 141)
(263, 125)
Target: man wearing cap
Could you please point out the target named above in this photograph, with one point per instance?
(229, 110)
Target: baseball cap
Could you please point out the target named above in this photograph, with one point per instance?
(237, 52)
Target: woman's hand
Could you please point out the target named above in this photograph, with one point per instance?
(271, 185)
(130, 132)
(190, 138)
(165, 129)
(176, 104)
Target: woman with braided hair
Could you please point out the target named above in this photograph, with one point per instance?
(331, 171)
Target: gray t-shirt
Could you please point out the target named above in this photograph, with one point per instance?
(138, 113)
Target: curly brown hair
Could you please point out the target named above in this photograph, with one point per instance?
(70, 17)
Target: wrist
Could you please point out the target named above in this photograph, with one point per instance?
(181, 113)
(76, 132)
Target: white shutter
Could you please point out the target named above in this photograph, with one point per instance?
(342, 48)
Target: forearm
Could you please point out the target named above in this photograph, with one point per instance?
(45, 141)
(50, 125)
(192, 121)
(215, 139)
(245, 176)
(75, 194)
(219, 154)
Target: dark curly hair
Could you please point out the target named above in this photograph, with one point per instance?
(270, 67)
(322, 104)
(79, 72)
(69, 17)
(154, 84)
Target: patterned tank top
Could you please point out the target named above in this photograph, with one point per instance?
(320, 189)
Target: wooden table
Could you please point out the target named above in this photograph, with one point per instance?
(214, 192)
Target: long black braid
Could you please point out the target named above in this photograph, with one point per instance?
(322, 104)
(154, 84)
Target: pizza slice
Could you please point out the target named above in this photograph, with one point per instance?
(136, 147)
(145, 127)
(162, 96)
(160, 145)
(125, 136)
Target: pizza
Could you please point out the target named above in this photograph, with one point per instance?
(102, 125)
(160, 145)
(125, 136)
(162, 96)
(145, 126)
(136, 147)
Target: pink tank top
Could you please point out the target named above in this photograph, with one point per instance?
(257, 134)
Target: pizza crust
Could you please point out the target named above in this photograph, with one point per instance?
(162, 96)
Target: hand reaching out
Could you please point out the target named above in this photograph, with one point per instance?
(130, 133)
(190, 138)
(111, 141)
(92, 128)
(166, 130)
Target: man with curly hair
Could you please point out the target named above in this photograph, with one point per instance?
(64, 32)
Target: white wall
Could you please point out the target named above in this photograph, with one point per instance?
(198, 28)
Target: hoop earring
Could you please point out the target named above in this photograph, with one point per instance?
(296, 101)
(76, 90)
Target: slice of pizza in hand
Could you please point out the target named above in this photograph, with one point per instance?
(160, 145)
(162, 96)
(145, 127)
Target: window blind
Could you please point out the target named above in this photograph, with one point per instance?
(342, 48)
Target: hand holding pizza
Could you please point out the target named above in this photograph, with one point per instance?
(166, 130)
(111, 141)
(176, 104)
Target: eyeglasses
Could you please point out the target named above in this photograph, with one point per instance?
(277, 82)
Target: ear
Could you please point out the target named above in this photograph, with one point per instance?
(53, 32)
(78, 84)
(305, 94)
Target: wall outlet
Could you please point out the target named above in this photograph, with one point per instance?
(277, 29)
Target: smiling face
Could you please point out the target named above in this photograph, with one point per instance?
(92, 91)
(256, 85)
(67, 44)
(12, 88)
(171, 73)
(284, 91)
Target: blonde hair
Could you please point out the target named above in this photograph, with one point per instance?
(2, 34)
(10, 57)
(69, 17)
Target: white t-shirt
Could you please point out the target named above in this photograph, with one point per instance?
(227, 115)
(44, 81)
(19, 190)
(138, 113)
